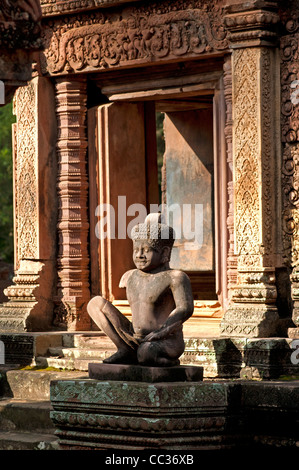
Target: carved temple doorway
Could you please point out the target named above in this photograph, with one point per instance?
(123, 172)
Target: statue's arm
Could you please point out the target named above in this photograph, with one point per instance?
(183, 298)
(184, 306)
(124, 279)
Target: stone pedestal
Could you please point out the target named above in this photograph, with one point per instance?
(120, 416)
(137, 373)
(93, 414)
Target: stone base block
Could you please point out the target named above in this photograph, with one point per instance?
(93, 414)
(137, 373)
(250, 321)
(119, 416)
(265, 358)
(293, 333)
(22, 348)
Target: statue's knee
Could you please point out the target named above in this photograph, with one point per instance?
(95, 304)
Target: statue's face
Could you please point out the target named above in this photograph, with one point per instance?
(145, 257)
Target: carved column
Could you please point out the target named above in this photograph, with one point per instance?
(72, 185)
(252, 311)
(289, 47)
(231, 257)
(30, 306)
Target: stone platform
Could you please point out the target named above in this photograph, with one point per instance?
(93, 414)
(121, 416)
(137, 373)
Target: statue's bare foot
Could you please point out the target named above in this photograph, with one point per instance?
(122, 356)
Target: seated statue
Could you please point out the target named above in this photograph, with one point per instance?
(160, 299)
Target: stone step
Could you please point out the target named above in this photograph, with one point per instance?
(70, 363)
(25, 415)
(26, 425)
(27, 441)
(32, 384)
(84, 353)
(91, 340)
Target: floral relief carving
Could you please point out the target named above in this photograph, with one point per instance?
(290, 148)
(26, 210)
(290, 136)
(247, 205)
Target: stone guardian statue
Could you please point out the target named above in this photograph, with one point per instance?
(160, 299)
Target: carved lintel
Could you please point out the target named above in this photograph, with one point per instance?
(73, 226)
(133, 36)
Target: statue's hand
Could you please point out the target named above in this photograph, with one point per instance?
(162, 333)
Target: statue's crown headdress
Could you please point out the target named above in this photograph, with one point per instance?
(153, 230)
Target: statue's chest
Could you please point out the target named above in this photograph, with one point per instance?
(148, 288)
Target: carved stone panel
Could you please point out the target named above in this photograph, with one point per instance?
(135, 36)
(30, 305)
(72, 186)
(289, 47)
(252, 311)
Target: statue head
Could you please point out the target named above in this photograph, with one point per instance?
(152, 243)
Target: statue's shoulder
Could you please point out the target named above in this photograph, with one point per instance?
(178, 276)
(125, 277)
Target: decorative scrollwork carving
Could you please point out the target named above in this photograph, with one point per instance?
(134, 35)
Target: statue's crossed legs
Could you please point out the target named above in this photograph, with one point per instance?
(133, 349)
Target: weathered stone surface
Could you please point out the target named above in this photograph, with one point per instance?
(270, 413)
(122, 415)
(72, 292)
(20, 32)
(131, 415)
(160, 298)
(22, 348)
(138, 373)
(32, 384)
(30, 305)
(126, 37)
(293, 333)
(114, 39)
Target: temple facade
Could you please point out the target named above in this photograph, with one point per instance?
(225, 76)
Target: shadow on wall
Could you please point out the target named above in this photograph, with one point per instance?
(265, 358)
(6, 275)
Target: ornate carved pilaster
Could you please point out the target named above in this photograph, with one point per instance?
(231, 257)
(253, 310)
(289, 53)
(72, 184)
(30, 306)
